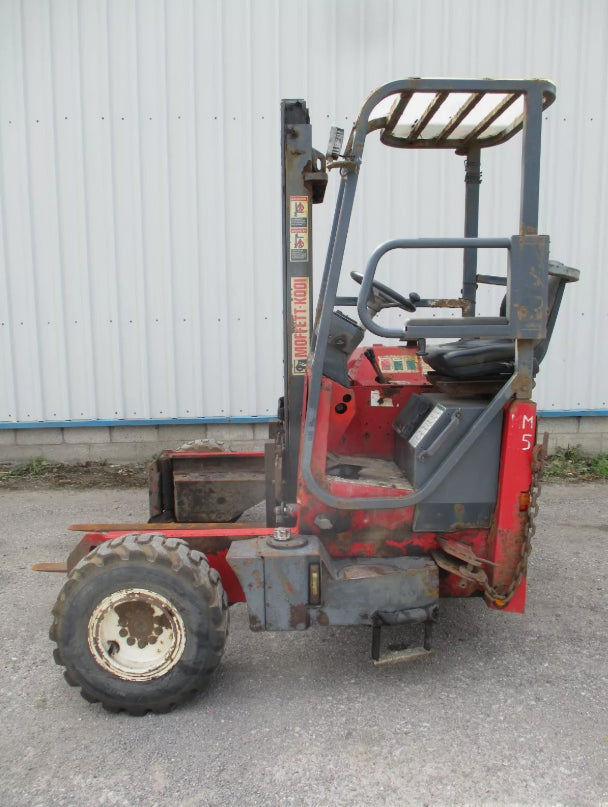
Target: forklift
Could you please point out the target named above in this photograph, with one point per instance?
(403, 465)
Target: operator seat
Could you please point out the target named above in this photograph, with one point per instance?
(487, 359)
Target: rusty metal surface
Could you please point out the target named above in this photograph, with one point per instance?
(277, 585)
(139, 623)
(464, 570)
(459, 116)
(136, 634)
(426, 116)
(484, 124)
(155, 498)
(366, 470)
(205, 485)
(61, 567)
(248, 566)
(472, 95)
(354, 590)
(462, 551)
(399, 656)
(216, 496)
(167, 526)
(445, 302)
(464, 389)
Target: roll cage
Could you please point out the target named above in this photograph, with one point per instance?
(467, 132)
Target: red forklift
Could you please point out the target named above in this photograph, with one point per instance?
(402, 466)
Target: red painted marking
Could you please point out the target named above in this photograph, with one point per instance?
(519, 432)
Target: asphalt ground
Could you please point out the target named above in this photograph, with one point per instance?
(508, 710)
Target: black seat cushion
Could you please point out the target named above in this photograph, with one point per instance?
(495, 358)
(472, 358)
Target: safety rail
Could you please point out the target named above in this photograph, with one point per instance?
(522, 309)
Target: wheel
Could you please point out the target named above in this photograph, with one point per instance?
(140, 624)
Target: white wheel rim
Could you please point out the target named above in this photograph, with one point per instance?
(136, 635)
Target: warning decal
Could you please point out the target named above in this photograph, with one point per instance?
(427, 424)
(298, 228)
(399, 364)
(376, 399)
(300, 336)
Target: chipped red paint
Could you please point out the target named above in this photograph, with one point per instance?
(361, 370)
(213, 543)
(365, 429)
(505, 540)
(230, 581)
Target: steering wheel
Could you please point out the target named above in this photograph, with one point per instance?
(385, 295)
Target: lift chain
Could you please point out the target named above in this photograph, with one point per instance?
(539, 455)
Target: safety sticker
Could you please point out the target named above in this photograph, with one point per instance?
(376, 399)
(300, 335)
(427, 424)
(298, 229)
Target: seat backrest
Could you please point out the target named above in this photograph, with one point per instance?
(486, 359)
(555, 294)
(559, 276)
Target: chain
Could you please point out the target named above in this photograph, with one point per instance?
(539, 455)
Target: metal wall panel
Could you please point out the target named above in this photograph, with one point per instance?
(140, 271)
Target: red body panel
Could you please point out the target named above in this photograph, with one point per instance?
(373, 406)
(506, 538)
(214, 543)
(365, 428)
(357, 421)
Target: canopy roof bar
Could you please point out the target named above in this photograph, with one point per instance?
(491, 117)
(457, 119)
(398, 109)
(426, 116)
(462, 131)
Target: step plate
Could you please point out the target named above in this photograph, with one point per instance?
(400, 656)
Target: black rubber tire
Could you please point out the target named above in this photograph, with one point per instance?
(160, 565)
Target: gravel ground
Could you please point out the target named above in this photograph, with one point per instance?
(509, 710)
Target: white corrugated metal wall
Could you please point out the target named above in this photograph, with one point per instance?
(140, 187)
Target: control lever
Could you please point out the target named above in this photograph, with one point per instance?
(371, 357)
